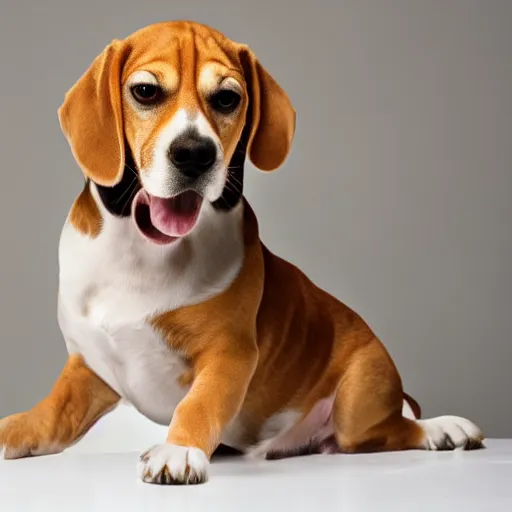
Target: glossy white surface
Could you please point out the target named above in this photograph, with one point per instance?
(85, 479)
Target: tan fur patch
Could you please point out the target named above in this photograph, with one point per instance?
(85, 214)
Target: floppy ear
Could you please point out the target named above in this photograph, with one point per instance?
(270, 114)
(92, 120)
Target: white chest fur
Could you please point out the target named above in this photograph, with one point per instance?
(109, 286)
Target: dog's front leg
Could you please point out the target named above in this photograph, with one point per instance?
(216, 396)
(78, 398)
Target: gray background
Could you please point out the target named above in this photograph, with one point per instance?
(395, 198)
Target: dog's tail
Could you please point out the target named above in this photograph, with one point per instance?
(415, 407)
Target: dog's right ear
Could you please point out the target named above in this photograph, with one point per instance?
(91, 117)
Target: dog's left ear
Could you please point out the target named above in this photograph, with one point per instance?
(270, 115)
(92, 120)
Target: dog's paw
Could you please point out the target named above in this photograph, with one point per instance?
(170, 464)
(451, 432)
(24, 435)
(15, 439)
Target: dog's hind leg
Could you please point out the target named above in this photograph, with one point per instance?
(368, 411)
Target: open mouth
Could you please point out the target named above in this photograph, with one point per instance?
(165, 220)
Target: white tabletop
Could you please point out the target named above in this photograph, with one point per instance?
(409, 481)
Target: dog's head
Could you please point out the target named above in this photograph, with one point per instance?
(181, 99)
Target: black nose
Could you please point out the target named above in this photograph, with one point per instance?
(192, 155)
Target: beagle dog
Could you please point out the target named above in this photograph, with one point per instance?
(168, 299)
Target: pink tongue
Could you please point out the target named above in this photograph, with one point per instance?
(175, 216)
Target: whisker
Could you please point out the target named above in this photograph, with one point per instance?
(127, 188)
(231, 176)
(236, 179)
(225, 202)
(133, 171)
(233, 187)
(132, 195)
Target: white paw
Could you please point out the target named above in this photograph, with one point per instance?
(170, 464)
(451, 432)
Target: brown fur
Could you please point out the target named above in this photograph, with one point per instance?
(415, 406)
(85, 214)
(78, 399)
(287, 345)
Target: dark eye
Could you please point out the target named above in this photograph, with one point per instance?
(225, 101)
(147, 94)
